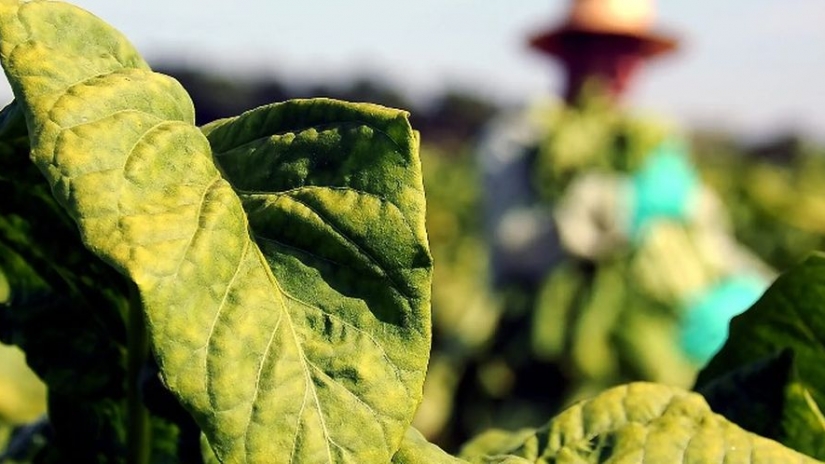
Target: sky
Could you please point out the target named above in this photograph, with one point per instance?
(755, 67)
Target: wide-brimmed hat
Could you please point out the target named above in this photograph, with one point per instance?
(630, 19)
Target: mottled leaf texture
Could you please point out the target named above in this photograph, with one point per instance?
(300, 334)
(634, 423)
(790, 316)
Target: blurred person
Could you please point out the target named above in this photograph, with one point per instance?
(614, 261)
(601, 46)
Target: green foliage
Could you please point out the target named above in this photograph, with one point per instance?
(274, 267)
(334, 199)
(790, 316)
(776, 199)
(283, 337)
(586, 324)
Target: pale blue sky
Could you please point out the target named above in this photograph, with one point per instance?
(754, 66)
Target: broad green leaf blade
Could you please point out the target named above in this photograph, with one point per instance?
(334, 196)
(789, 316)
(639, 423)
(415, 449)
(336, 187)
(266, 370)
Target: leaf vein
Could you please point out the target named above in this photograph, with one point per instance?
(212, 185)
(384, 354)
(208, 343)
(311, 188)
(264, 357)
(299, 347)
(353, 395)
(298, 426)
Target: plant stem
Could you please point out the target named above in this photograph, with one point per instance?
(138, 430)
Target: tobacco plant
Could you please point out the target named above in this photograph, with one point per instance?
(255, 290)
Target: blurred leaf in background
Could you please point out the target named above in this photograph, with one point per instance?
(774, 190)
(465, 311)
(22, 394)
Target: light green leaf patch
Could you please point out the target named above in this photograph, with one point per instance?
(5, 289)
(634, 423)
(22, 394)
(301, 332)
(415, 449)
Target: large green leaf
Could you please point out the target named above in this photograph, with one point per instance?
(634, 423)
(335, 202)
(305, 335)
(789, 316)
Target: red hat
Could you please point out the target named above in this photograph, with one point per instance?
(629, 19)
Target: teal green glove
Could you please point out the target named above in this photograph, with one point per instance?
(704, 328)
(662, 187)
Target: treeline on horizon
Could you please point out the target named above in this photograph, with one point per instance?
(451, 120)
